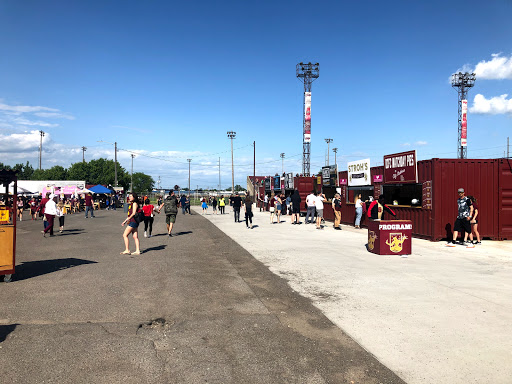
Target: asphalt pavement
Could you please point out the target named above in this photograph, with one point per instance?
(194, 308)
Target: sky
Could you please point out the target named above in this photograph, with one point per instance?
(167, 80)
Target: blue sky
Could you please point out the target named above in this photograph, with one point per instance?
(167, 80)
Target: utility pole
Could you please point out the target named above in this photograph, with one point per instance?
(115, 163)
(189, 160)
(231, 135)
(41, 149)
(462, 82)
(335, 150)
(328, 141)
(307, 73)
(220, 188)
(282, 163)
(131, 183)
(83, 154)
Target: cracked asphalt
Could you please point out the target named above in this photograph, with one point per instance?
(194, 308)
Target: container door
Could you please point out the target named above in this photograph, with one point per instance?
(505, 199)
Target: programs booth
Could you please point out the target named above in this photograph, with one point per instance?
(8, 200)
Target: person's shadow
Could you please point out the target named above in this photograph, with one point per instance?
(29, 269)
(155, 248)
(5, 330)
(449, 233)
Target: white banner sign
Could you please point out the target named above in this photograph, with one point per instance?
(359, 173)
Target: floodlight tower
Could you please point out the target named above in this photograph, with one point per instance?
(463, 81)
(307, 73)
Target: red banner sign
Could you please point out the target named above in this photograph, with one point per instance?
(464, 124)
(400, 168)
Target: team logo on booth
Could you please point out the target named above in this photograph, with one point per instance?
(396, 242)
(371, 240)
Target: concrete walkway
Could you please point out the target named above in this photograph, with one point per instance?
(442, 315)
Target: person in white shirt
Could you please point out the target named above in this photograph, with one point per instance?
(265, 201)
(311, 204)
(319, 204)
(50, 211)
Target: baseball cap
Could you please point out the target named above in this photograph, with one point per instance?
(460, 190)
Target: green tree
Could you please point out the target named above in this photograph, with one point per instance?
(238, 188)
(40, 174)
(78, 171)
(142, 183)
(57, 173)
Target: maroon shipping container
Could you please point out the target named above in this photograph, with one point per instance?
(304, 185)
(489, 180)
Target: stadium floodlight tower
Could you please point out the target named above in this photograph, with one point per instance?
(307, 73)
(463, 81)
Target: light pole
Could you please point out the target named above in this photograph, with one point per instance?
(131, 183)
(115, 158)
(83, 154)
(41, 149)
(335, 150)
(282, 163)
(328, 141)
(231, 135)
(189, 160)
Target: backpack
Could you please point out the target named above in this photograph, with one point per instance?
(170, 205)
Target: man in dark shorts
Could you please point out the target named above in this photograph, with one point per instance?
(170, 205)
(462, 223)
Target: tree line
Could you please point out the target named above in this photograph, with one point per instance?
(99, 171)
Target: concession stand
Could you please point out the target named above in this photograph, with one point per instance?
(8, 223)
(425, 192)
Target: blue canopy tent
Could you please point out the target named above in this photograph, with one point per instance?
(99, 189)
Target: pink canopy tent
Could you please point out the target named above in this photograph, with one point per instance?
(67, 190)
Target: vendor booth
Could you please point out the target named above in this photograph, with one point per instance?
(8, 201)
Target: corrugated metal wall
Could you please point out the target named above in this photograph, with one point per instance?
(505, 199)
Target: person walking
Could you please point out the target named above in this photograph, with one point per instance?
(359, 211)
(237, 204)
(474, 222)
(311, 207)
(148, 210)
(222, 204)
(187, 209)
(214, 205)
(204, 205)
(279, 206)
(50, 211)
(20, 205)
(60, 215)
(170, 206)
(133, 225)
(33, 208)
(319, 205)
(183, 203)
(462, 222)
(272, 208)
(248, 211)
(295, 205)
(41, 208)
(336, 207)
(89, 206)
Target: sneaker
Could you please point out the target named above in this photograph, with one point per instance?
(470, 245)
(477, 243)
(170, 235)
(145, 234)
(451, 243)
(149, 236)
(465, 243)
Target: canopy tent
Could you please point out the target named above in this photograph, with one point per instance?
(100, 189)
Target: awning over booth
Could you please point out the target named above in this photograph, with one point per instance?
(99, 189)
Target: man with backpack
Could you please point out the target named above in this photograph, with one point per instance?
(170, 206)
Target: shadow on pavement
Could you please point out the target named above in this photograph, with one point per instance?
(31, 269)
(157, 248)
(182, 233)
(67, 232)
(5, 330)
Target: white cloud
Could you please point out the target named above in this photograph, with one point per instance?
(22, 121)
(56, 115)
(405, 144)
(420, 143)
(18, 144)
(495, 105)
(498, 68)
(24, 108)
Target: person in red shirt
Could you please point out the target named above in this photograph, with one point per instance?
(89, 205)
(40, 208)
(148, 210)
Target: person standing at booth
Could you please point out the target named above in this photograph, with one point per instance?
(296, 199)
(311, 207)
(462, 222)
(336, 207)
(319, 205)
(377, 208)
(359, 211)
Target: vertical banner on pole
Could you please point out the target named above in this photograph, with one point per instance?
(464, 124)
(307, 117)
